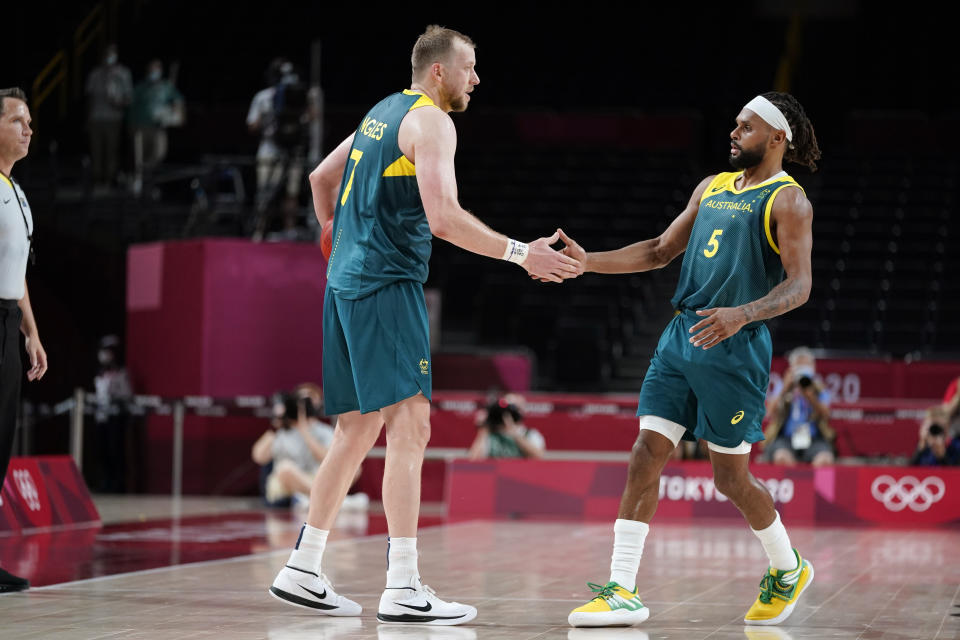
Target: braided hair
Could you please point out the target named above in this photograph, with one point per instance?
(803, 150)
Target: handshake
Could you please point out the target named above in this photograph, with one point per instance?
(547, 264)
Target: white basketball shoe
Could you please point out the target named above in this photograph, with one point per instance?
(310, 591)
(419, 604)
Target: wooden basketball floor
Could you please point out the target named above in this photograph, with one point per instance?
(524, 577)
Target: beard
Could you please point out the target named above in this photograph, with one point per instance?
(747, 158)
(458, 103)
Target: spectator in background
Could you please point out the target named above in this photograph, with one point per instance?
(313, 392)
(934, 450)
(935, 447)
(799, 425)
(951, 406)
(109, 90)
(112, 392)
(501, 432)
(281, 114)
(291, 452)
(156, 105)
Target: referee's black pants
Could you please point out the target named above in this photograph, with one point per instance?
(10, 375)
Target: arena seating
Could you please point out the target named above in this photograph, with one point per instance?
(881, 259)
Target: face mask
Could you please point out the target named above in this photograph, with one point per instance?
(154, 75)
(112, 58)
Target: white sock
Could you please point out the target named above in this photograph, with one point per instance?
(308, 552)
(628, 538)
(776, 543)
(401, 561)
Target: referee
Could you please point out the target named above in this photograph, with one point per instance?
(16, 236)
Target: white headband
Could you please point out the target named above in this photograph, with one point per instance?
(771, 115)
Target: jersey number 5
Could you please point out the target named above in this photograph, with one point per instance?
(714, 243)
(355, 155)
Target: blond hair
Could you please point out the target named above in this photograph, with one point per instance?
(434, 45)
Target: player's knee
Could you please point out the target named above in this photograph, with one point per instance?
(650, 448)
(358, 437)
(640, 452)
(731, 484)
(412, 434)
(644, 462)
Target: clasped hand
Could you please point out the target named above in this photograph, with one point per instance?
(546, 264)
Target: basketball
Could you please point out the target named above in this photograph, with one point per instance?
(326, 238)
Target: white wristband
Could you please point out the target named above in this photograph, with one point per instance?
(516, 251)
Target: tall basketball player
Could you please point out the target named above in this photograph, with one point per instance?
(392, 186)
(747, 237)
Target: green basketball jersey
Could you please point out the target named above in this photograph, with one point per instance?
(380, 230)
(732, 257)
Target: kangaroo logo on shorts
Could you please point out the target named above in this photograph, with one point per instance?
(737, 417)
(424, 366)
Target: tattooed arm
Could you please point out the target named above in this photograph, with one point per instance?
(792, 226)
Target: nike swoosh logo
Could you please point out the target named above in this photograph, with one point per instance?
(319, 595)
(427, 607)
(6, 201)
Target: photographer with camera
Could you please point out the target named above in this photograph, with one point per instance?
(799, 426)
(935, 447)
(502, 434)
(281, 114)
(290, 451)
(115, 441)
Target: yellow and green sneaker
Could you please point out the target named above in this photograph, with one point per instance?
(613, 606)
(779, 592)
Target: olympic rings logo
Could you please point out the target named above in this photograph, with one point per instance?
(897, 495)
(27, 488)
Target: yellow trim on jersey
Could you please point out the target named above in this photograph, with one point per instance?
(769, 208)
(7, 180)
(727, 181)
(424, 100)
(712, 188)
(400, 167)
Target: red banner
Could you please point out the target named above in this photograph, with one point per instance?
(571, 422)
(855, 379)
(915, 495)
(44, 492)
(591, 490)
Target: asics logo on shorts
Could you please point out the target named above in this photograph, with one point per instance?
(908, 491)
(737, 417)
